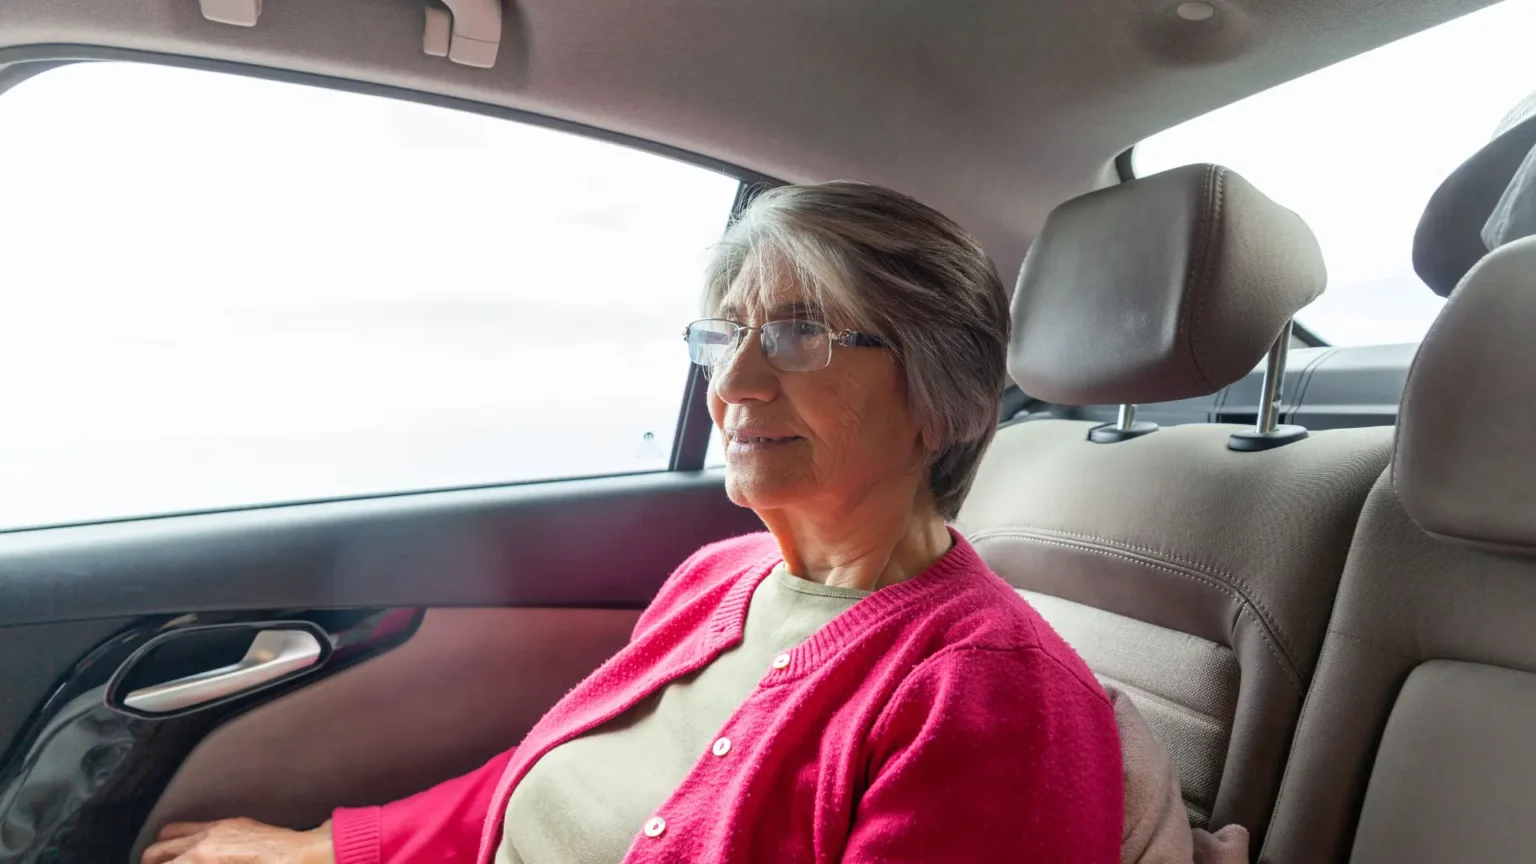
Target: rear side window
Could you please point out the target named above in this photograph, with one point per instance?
(1358, 148)
(218, 291)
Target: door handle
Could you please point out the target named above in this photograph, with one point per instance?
(273, 654)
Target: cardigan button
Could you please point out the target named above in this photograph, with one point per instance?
(781, 661)
(654, 826)
(722, 746)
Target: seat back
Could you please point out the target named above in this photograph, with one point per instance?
(1195, 577)
(1416, 742)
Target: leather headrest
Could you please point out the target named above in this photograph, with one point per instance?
(1465, 465)
(1449, 239)
(1166, 287)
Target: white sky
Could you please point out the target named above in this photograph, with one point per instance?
(1358, 148)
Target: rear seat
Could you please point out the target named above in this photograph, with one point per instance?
(1417, 740)
(1197, 578)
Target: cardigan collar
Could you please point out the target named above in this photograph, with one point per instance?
(729, 621)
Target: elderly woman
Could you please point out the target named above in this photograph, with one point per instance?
(853, 685)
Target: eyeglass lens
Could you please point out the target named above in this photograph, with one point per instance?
(789, 346)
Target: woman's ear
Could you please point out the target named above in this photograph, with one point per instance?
(930, 441)
(929, 445)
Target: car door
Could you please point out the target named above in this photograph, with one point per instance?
(341, 435)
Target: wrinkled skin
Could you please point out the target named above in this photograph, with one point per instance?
(239, 841)
(854, 431)
(833, 460)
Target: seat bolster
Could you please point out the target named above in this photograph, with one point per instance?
(1269, 701)
(1406, 599)
(1325, 777)
(1115, 580)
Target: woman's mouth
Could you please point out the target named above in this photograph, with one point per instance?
(751, 443)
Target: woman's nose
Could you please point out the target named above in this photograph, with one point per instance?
(745, 376)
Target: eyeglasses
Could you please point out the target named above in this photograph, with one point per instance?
(789, 346)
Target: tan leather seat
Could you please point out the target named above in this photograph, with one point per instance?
(1416, 741)
(1197, 578)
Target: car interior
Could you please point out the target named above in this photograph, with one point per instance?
(342, 376)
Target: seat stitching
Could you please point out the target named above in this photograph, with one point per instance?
(1214, 572)
(1228, 585)
(1287, 778)
(1136, 547)
(1281, 660)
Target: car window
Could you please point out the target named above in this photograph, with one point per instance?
(714, 457)
(1358, 148)
(219, 291)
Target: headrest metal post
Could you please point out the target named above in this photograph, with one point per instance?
(1267, 433)
(1124, 428)
(1274, 383)
(1126, 418)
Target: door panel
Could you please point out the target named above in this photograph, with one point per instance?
(600, 542)
(467, 686)
(83, 775)
(546, 579)
(34, 659)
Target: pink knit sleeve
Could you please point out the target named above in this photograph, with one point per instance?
(438, 826)
(992, 755)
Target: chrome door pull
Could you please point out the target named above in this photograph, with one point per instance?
(273, 654)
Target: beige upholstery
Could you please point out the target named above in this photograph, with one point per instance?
(1465, 467)
(1418, 728)
(1225, 564)
(1471, 799)
(1186, 687)
(1183, 279)
(1406, 600)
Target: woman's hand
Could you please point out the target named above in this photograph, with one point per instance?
(240, 841)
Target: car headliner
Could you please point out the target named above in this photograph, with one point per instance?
(992, 111)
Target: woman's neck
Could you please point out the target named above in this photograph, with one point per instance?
(879, 541)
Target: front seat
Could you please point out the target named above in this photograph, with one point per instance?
(1196, 577)
(1417, 741)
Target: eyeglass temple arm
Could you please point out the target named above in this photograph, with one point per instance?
(854, 339)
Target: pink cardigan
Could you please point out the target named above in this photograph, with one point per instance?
(937, 720)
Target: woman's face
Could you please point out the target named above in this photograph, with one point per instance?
(822, 439)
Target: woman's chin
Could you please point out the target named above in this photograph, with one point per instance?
(752, 490)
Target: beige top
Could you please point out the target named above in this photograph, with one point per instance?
(587, 801)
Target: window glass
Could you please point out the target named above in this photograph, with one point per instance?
(1357, 149)
(714, 457)
(220, 291)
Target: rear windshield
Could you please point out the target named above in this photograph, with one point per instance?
(1357, 149)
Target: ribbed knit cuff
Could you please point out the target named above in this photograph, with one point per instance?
(355, 836)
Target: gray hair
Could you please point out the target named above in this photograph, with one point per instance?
(883, 263)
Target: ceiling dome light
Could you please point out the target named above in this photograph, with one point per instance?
(1196, 10)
